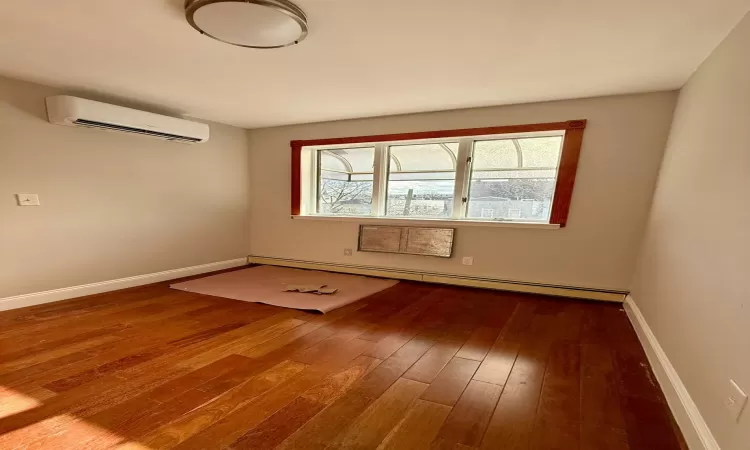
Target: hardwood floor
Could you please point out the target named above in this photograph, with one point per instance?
(417, 366)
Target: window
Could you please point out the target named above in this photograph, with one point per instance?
(421, 180)
(345, 181)
(514, 178)
(522, 173)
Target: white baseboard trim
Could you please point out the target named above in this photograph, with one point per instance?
(37, 298)
(456, 280)
(697, 434)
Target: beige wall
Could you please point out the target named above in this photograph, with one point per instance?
(113, 205)
(623, 146)
(692, 279)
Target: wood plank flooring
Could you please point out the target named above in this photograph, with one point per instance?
(416, 366)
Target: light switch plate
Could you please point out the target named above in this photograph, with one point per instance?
(27, 199)
(467, 261)
(735, 400)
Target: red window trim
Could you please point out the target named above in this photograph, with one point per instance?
(566, 175)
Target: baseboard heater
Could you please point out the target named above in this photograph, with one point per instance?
(442, 278)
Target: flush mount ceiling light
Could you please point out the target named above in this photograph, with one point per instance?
(248, 23)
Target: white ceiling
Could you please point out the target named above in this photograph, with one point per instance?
(364, 57)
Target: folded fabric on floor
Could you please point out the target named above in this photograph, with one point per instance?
(310, 289)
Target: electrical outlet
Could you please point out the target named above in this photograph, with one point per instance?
(347, 252)
(467, 261)
(735, 401)
(27, 199)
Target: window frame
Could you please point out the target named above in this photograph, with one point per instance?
(316, 169)
(571, 130)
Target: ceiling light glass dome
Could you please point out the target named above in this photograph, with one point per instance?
(248, 23)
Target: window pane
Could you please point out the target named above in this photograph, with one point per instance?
(514, 179)
(345, 178)
(421, 180)
(541, 151)
(495, 155)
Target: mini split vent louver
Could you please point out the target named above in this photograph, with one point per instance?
(74, 111)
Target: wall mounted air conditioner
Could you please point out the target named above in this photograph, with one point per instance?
(74, 111)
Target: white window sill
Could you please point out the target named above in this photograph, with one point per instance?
(429, 222)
